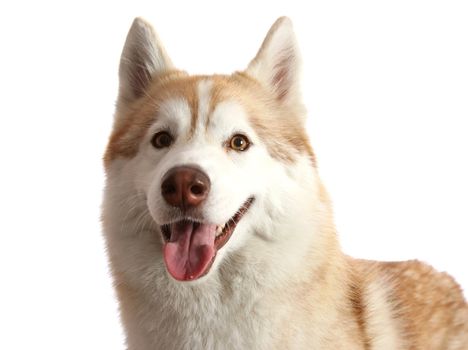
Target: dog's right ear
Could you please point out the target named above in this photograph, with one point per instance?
(143, 57)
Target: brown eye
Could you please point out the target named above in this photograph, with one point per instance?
(161, 139)
(239, 143)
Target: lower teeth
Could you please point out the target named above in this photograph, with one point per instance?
(219, 230)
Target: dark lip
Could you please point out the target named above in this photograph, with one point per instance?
(227, 232)
(231, 224)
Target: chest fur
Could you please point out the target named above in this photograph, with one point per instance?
(195, 319)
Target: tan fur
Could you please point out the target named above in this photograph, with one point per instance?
(322, 300)
(431, 305)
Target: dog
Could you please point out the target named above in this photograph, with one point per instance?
(219, 232)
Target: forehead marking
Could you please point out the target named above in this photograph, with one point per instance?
(199, 120)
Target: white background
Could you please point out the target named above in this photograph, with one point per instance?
(385, 82)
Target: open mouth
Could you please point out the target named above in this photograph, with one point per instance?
(190, 247)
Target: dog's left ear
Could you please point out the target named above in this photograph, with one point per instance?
(277, 63)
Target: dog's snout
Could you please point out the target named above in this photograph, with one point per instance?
(185, 187)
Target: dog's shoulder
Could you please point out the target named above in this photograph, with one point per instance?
(428, 304)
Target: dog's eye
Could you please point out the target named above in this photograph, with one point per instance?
(161, 139)
(239, 143)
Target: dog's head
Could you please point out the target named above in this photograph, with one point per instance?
(216, 163)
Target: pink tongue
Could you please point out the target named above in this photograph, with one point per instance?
(190, 250)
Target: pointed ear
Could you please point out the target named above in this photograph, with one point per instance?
(277, 63)
(142, 58)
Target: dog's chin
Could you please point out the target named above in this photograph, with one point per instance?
(190, 245)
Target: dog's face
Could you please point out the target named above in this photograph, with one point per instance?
(213, 162)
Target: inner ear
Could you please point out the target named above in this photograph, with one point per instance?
(282, 79)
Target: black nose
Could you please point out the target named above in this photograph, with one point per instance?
(185, 187)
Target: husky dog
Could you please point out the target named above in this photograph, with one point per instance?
(219, 232)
